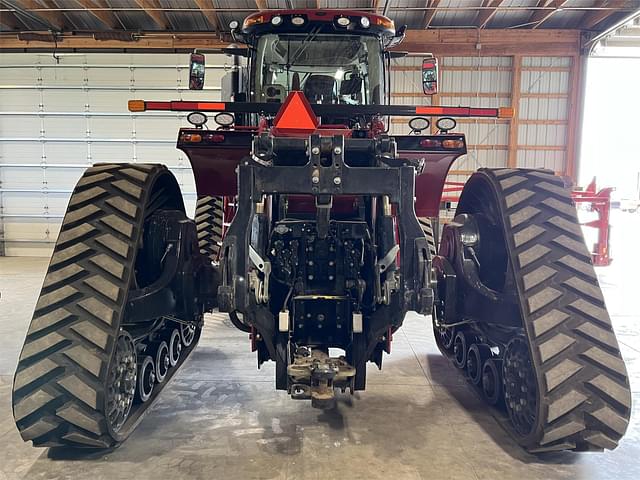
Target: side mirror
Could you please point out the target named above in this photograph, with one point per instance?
(430, 76)
(196, 71)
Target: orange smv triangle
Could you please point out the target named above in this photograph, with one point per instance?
(296, 114)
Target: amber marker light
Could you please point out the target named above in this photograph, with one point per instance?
(136, 106)
(506, 112)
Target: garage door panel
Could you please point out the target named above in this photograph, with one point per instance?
(111, 127)
(65, 152)
(63, 76)
(19, 126)
(20, 152)
(32, 228)
(12, 100)
(159, 77)
(64, 127)
(64, 100)
(112, 152)
(158, 128)
(20, 75)
(120, 77)
(109, 100)
(158, 153)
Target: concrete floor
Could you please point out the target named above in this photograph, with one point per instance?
(222, 419)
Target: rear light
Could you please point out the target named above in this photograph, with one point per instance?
(298, 21)
(430, 143)
(506, 112)
(215, 137)
(385, 22)
(452, 144)
(136, 106)
(250, 21)
(192, 137)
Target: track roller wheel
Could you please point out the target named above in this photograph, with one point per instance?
(162, 361)
(175, 347)
(146, 378)
(121, 383)
(492, 381)
(187, 333)
(520, 390)
(460, 350)
(475, 359)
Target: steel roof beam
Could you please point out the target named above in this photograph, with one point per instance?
(154, 10)
(608, 8)
(52, 18)
(486, 14)
(11, 21)
(100, 10)
(208, 10)
(540, 16)
(432, 6)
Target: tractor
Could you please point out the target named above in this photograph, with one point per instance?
(314, 231)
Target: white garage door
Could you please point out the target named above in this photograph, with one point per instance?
(57, 117)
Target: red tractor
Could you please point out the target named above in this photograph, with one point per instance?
(313, 231)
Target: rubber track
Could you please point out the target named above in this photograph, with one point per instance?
(58, 391)
(584, 394)
(209, 218)
(427, 228)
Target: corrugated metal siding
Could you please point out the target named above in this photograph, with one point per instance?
(544, 112)
(456, 17)
(505, 19)
(56, 120)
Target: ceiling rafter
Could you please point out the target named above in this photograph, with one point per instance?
(486, 14)
(154, 10)
(429, 14)
(208, 10)
(54, 19)
(11, 21)
(540, 16)
(593, 18)
(96, 8)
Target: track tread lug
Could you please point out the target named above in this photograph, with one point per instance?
(525, 214)
(612, 390)
(527, 234)
(80, 390)
(557, 375)
(543, 298)
(562, 431)
(74, 414)
(565, 404)
(537, 276)
(555, 345)
(549, 321)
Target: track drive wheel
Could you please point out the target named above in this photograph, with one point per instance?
(75, 373)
